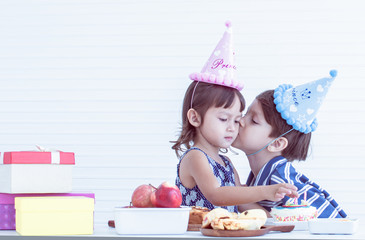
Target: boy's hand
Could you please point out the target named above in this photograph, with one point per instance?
(278, 191)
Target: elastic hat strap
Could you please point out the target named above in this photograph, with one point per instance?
(192, 96)
(270, 143)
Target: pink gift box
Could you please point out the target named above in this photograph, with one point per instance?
(7, 210)
(36, 172)
(34, 157)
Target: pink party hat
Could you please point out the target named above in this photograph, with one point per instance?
(221, 68)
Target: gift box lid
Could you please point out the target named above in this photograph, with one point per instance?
(43, 204)
(34, 157)
(8, 198)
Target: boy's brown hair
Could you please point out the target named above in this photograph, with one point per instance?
(298, 142)
(206, 95)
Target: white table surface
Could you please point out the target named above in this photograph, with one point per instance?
(105, 232)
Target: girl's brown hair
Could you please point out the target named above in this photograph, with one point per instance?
(298, 142)
(206, 95)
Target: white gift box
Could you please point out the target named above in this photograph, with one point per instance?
(36, 172)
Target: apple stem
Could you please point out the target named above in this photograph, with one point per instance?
(153, 186)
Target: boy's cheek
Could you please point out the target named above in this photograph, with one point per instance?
(242, 124)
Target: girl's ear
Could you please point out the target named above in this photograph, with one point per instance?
(194, 117)
(278, 145)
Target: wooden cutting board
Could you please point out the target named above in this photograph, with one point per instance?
(194, 227)
(245, 233)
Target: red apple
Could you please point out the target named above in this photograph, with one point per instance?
(167, 196)
(141, 196)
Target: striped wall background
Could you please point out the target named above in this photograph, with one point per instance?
(105, 79)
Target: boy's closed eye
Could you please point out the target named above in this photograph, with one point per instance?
(251, 119)
(254, 121)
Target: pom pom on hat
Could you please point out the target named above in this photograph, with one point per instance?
(333, 73)
(221, 68)
(299, 105)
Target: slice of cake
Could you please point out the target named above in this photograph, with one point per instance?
(197, 214)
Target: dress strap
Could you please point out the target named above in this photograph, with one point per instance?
(224, 158)
(193, 148)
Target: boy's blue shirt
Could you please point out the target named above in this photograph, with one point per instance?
(279, 170)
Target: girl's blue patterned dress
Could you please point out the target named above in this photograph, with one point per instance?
(193, 196)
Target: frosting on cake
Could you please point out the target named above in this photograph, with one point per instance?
(294, 212)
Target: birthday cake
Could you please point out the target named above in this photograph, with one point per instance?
(292, 212)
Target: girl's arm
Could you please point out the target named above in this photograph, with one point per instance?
(202, 175)
(236, 176)
(247, 206)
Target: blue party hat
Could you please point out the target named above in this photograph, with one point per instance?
(299, 105)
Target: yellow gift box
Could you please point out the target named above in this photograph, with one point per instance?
(54, 215)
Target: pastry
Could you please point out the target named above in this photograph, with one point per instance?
(221, 219)
(241, 224)
(216, 213)
(254, 214)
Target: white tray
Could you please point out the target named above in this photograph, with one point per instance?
(151, 220)
(333, 226)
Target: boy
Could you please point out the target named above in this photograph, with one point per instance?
(275, 131)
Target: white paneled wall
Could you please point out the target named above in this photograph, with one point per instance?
(105, 79)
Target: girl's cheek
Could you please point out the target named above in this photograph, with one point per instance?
(236, 134)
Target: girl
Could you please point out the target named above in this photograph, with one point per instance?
(275, 131)
(210, 122)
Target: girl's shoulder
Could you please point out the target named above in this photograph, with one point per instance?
(197, 158)
(195, 153)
